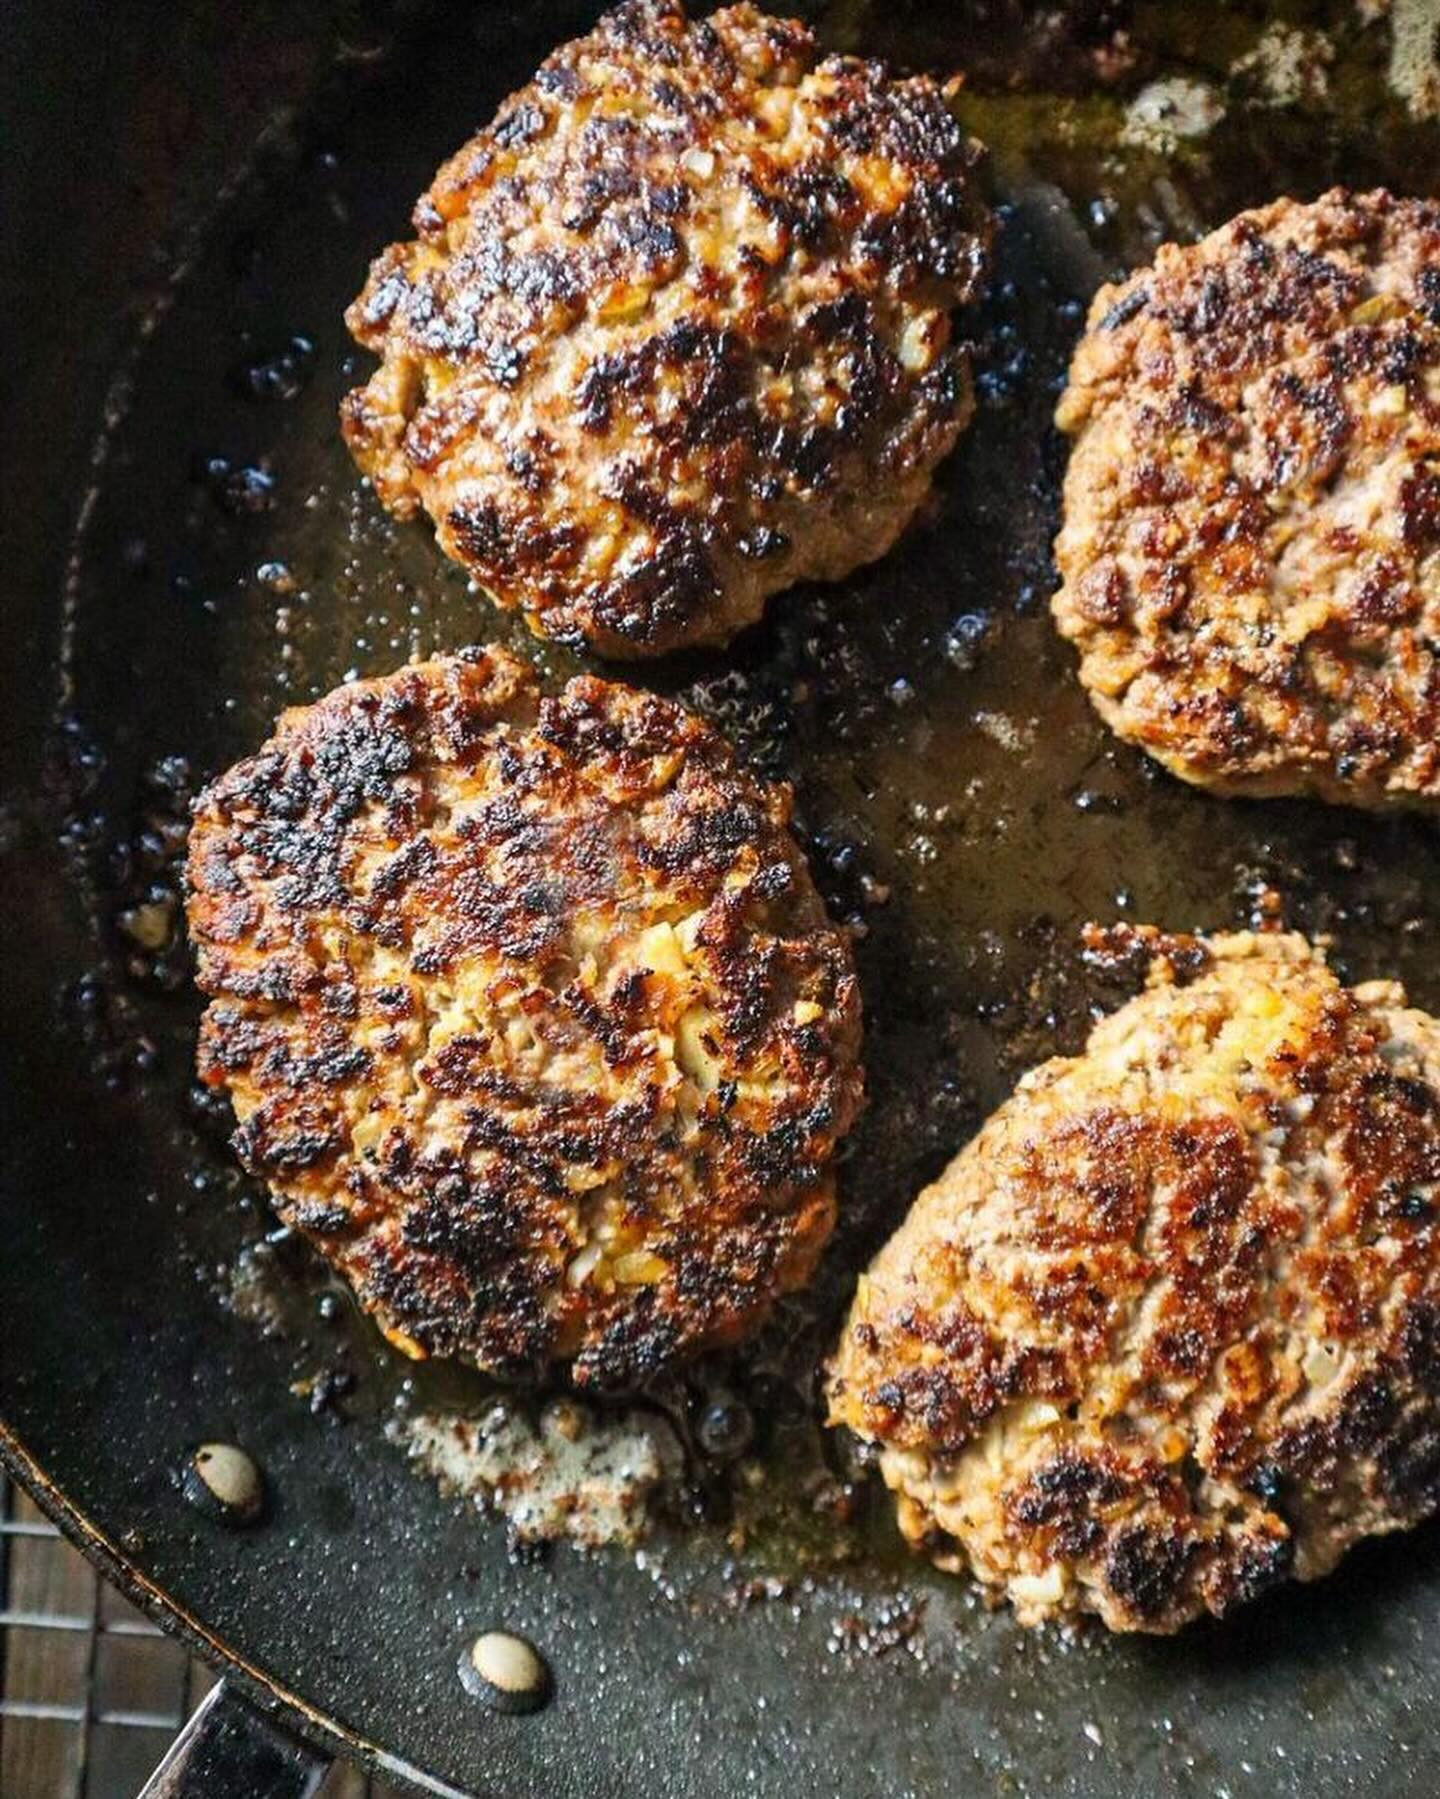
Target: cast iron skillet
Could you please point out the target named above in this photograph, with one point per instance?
(171, 444)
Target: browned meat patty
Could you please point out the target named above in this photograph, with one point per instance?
(1169, 1329)
(1251, 546)
(675, 332)
(530, 1013)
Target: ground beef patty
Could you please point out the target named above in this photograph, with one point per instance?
(1169, 1330)
(1251, 546)
(530, 1013)
(675, 332)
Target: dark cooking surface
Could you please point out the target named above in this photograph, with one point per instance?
(942, 752)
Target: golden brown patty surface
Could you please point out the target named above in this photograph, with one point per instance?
(1168, 1330)
(1251, 545)
(530, 1013)
(675, 330)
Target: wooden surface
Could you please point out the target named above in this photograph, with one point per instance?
(90, 1691)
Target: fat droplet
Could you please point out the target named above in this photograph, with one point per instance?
(223, 1482)
(725, 1429)
(507, 1672)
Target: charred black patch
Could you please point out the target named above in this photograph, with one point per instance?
(1420, 507)
(1066, 1498)
(1243, 1572)
(1147, 1566)
(1420, 1345)
(1125, 309)
(280, 1148)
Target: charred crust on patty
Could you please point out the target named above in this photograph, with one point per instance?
(530, 1014)
(1169, 1330)
(675, 331)
(1250, 557)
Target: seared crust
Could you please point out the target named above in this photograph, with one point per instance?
(1251, 548)
(530, 1013)
(1168, 1330)
(675, 332)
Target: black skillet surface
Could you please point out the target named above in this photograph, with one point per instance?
(962, 805)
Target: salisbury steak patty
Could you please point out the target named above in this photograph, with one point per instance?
(1251, 547)
(675, 332)
(531, 1016)
(1169, 1329)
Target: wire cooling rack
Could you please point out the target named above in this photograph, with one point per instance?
(91, 1692)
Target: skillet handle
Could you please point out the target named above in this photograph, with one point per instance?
(230, 1748)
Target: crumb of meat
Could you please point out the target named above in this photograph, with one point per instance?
(1289, 65)
(595, 1486)
(1166, 112)
(1414, 73)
